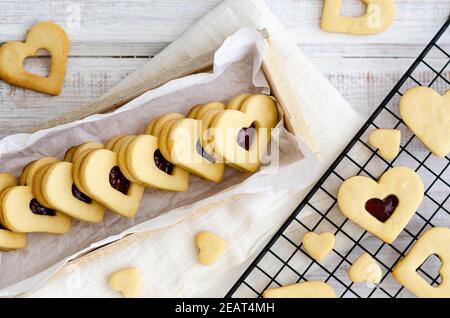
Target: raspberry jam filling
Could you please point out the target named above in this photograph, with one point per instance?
(382, 209)
(162, 163)
(203, 153)
(80, 195)
(118, 181)
(37, 208)
(245, 136)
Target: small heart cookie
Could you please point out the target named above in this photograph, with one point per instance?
(9, 240)
(387, 141)
(44, 35)
(127, 282)
(380, 14)
(302, 290)
(210, 246)
(318, 246)
(384, 207)
(427, 114)
(102, 180)
(365, 269)
(434, 241)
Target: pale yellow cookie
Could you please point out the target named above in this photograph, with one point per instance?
(120, 148)
(318, 246)
(427, 114)
(365, 269)
(210, 246)
(434, 241)
(60, 193)
(69, 153)
(24, 174)
(393, 199)
(204, 108)
(34, 166)
(236, 102)
(163, 137)
(380, 15)
(77, 158)
(36, 184)
(141, 158)
(127, 282)
(22, 213)
(184, 146)
(44, 35)
(301, 290)
(102, 180)
(162, 120)
(112, 141)
(387, 141)
(193, 112)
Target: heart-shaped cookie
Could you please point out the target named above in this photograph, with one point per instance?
(236, 102)
(355, 195)
(365, 269)
(155, 126)
(387, 141)
(427, 114)
(302, 290)
(210, 246)
(127, 282)
(44, 35)
(102, 180)
(434, 241)
(380, 14)
(318, 246)
(9, 240)
(185, 149)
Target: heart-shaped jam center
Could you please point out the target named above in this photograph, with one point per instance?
(37, 208)
(382, 209)
(245, 136)
(80, 195)
(118, 181)
(162, 163)
(203, 153)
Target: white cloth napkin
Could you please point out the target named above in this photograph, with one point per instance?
(167, 258)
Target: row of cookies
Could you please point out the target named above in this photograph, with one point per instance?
(93, 177)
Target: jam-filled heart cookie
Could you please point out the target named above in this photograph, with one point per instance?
(22, 213)
(193, 112)
(155, 126)
(30, 169)
(384, 207)
(119, 148)
(207, 107)
(435, 241)
(380, 14)
(185, 149)
(44, 35)
(77, 158)
(57, 188)
(236, 102)
(9, 240)
(103, 181)
(302, 290)
(427, 114)
(387, 141)
(144, 161)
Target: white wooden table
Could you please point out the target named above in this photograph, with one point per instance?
(110, 39)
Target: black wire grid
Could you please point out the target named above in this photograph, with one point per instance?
(283, 262)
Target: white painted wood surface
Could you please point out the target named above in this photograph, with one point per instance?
(110, 39)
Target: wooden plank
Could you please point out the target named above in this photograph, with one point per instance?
(143, 28)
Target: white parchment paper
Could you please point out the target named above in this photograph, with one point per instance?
(236, 70)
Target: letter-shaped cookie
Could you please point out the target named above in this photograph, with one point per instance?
(302, 290)
(44, 35)
(259, 111)
(60, 192)
(9, 240)
(382, 208)
(184, 145)
(434, 241)
(427, 114)
(379, 16)
(102, 180)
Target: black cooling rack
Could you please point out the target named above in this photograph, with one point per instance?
(283, 262)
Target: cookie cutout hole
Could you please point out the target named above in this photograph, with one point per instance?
(246, 136)
(352, 8)
(203, 153)
(118, 181)
(39, 209)
(429, 270)
(80, 195)
(162, 163)
(382, 209)
(38, 64)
